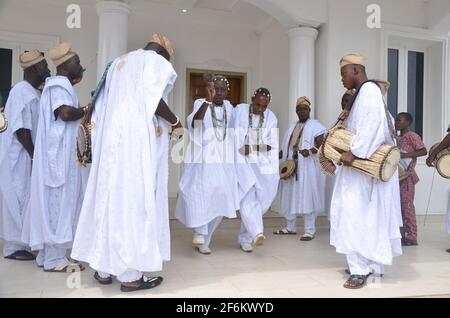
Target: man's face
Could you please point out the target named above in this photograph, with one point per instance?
(260, 104)
(303, 112)
(348, 73)
(42, 70)
(75, 69)
(221, 89)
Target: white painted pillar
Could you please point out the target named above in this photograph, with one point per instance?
(112, 32)
(302, 67)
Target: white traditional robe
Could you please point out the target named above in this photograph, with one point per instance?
(22, 112)
(55, 196)
(162, 180)
(365, 213)
(208, 185)
(306, 193)
(120, 227)
(258, 173)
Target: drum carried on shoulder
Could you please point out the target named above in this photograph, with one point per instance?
(381, 166)
(442, 162)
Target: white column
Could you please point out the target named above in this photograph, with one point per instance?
(112, 32)
(302, 67)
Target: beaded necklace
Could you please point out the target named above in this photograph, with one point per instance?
(219, 123)
(260, 124)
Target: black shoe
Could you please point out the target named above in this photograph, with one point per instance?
(144, 284)
(103, 281)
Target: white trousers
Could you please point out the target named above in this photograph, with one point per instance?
(51, 256)
(308, 219)
(359, 265)
(129, 276)
(208, 230)
(251, 218)
(11, 247)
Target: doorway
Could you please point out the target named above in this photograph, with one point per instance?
(196, 87)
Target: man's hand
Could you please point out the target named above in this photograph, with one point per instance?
(347, 159)
(305, 153)
(210, 92)
(246, 150)
(177, 131)
(431, 159)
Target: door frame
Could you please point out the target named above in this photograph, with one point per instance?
(197, 71)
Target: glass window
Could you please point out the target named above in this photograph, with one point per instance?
(415, 89)
(5, 74)
(393, 79)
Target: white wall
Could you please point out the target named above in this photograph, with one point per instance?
(199, 46)
(17, 16)
(274, 71)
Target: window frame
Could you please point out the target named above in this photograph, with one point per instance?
(402, 94)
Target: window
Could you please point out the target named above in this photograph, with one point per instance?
(393, 79)
(5, 74)
(406, 70)
(415, 89)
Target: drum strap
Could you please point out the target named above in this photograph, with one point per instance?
(295, 158)
(386, 111)
(298, 140)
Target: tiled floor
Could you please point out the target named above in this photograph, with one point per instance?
(283, 267)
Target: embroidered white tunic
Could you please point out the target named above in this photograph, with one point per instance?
(55, 195)
(120, 226)
(21, 112)
(365, 214)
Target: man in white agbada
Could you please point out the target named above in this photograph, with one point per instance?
(445, 144)
(304, 192)
(55, 197)
(365, 213)
(208, 187)
(256, 130)
(16, 153)
(123, 230)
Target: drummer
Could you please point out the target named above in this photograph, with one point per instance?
(412, 147)
(445, 144)
(304, 192)
(365, 214)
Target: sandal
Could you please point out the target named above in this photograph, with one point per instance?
(66, 268)
(21, 256)
(103, 281)
(144, 283)
(347, 271)
(284, 231)
(356, 281)
(409, 243)
(202, 250)
(307, 238)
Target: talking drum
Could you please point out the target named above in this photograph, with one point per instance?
(84, 144)
(381, 165)
(442, 162)
(3, 122)
(287, 169)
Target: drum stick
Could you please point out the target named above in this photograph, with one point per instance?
(313, 147)
(429, 198)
